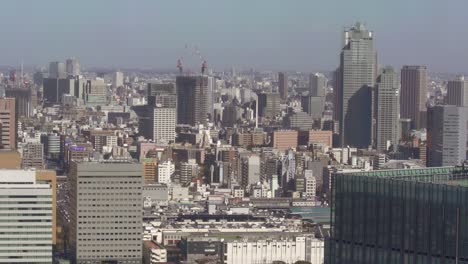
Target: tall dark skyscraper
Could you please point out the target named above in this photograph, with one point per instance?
(414, 95)
(357, 67)
(457, 92)
(8, 123)
(388, 109)
(194, 99)
(283, 85)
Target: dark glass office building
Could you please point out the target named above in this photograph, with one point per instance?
(400, 216)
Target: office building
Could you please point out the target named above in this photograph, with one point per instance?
(283, 85)
(298, 120)
(96, 93)
(317, 84)
(188, 171)
(388, 110)
(268, 105)
(33, 156)
(313, 105)
(154, 253)
(105, 212)
(73, 67)
(50, 177)
(117, 79)
(23, 96)
(8, 123)
(337, 95)
(457, 92)
(358, 66)
(163, 123)
(194, 99)
(414, 95)
(165, 171)
(250, 171)
(399, 216)
(285, 139)
(446, 135)
(26, 210)
(54, 89)
(57, 70)
(320, 137)
(10, 159)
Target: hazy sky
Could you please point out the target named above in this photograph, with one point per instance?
(264, 34)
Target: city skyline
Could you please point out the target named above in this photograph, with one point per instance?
(254, 35)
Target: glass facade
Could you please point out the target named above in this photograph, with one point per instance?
(400, 216)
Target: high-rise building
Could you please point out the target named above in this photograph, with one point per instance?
(457, 92)
(165, 171)
(105, 212)
(8, 121)
(388, 109)
(117, 79)
(33, 156)
(188, 171)
(268, 105)
(23, 96)
(317, 84)
(96, 93)
(414, 95)
(446, 135)
(194, 99)
(358, 64)
(57, 70)
(54, 89)
(73, 67)
(337, 95)
(163, 123)
(298, 120)
(399, 216)
(26, 210)
(313, 105)
(283, 85)
(250, 171)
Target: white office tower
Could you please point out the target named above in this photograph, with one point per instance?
(105, 212)
(25, 218)
(165, 171)
(310, 184)
(164, 124)
(117, 79)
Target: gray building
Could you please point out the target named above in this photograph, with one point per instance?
(283, 85)
(457, 92)
(73, 67)
(268, 105)
(414, 95)
(358, 69)
(106, 212)
(388, 109)
(54, 89)
(194, 99)
(317, 84)
(447, 135)
(298, 120)
(313, 105)
(57, 70)
(26, 218)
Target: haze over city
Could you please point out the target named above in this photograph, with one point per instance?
(300, 35)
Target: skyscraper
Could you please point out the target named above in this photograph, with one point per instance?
(194, 99)
(388, 109)
(268, 104)
(57, 70)
(283, 85)
(105, 212)
(117, 79)
(317, 84)
(457, 92)
(8, 123)
(414, 95)
(399, 216)
(358, 63)
(446, 135)
(26, 213)
(73, 67)
(157, 120)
